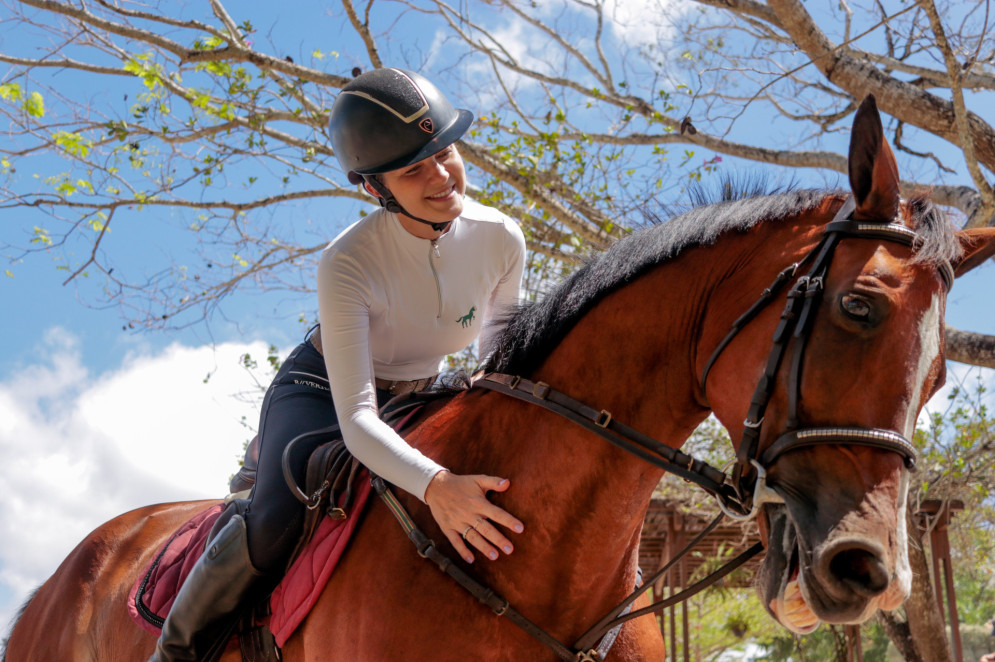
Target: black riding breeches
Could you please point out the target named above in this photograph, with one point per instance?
(297, 401)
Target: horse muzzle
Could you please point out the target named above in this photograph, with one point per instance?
(844, 579)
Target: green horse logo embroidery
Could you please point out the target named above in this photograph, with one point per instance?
(467, 319)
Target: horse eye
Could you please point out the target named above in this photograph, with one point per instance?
(855, 306)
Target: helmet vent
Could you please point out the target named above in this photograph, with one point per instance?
(392, 90)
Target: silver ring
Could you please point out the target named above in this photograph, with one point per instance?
(466, 532)
(479, 521)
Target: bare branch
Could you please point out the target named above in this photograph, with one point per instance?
(589, 230)
(895, 97)
(986, 216)
(363, 29)
(971, 348)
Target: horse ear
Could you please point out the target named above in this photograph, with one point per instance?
(978, 245)
(873, 169)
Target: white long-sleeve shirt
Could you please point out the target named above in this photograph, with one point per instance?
(393, 306)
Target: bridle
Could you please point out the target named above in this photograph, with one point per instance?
(795, 324)
(736, 496)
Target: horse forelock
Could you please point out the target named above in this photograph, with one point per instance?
(938, 234)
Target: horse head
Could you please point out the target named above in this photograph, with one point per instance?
(826, 438)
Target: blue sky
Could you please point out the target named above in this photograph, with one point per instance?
(96, 419)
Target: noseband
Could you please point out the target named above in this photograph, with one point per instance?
(803, 300)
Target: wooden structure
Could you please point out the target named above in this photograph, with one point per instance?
(934, 518)
(668, 527)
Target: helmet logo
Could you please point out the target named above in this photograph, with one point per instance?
(426, 125)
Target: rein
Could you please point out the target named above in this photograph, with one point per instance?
(736, 498)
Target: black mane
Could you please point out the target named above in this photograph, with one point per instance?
(534, 330)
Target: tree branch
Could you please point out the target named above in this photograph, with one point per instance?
(897, 98)
(986, 213)
(971, 348)
(589, 230)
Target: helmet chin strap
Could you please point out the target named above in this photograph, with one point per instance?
(390, 203)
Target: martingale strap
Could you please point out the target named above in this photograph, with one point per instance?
(427, 550)
(596, 643)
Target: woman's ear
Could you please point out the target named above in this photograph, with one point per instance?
(369, 189)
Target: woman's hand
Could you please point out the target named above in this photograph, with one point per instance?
(460, 506)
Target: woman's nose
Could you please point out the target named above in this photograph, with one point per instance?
(437, 171)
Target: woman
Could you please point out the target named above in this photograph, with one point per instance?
(397, 291)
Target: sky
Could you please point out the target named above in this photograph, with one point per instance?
(97, 419)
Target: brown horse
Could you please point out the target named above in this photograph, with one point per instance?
(632, 332)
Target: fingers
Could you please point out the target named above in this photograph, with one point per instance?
(488, 538)
(469, 520)
(477, 539)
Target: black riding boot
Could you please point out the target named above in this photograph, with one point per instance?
(207, 607)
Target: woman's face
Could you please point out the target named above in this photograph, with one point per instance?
(431, 189)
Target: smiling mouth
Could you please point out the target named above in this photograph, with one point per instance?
(442, 195)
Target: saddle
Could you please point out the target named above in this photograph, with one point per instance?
(336, 490)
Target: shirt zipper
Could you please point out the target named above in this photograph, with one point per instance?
(434, 250)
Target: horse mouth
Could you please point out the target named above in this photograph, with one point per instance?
(789, 606)
(779, 578)
(802, 588)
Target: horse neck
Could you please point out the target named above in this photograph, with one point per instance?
(632, 355)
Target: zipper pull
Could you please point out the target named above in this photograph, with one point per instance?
(435, 248)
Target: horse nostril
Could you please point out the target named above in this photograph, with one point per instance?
(861, 570)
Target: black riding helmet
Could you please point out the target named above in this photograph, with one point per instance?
(387, 119)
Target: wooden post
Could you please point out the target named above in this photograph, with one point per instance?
(935, 516)
(854, 647)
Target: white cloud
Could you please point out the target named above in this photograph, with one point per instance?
(643, 22)
(629, 24)
(78, 449)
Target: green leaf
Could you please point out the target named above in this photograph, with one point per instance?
(73, 143)
(34, 105)
(11, 92)
(150, 74)
(41, 237)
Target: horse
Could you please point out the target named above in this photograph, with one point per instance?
(659, 331)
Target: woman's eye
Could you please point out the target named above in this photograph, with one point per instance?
(855, 307)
